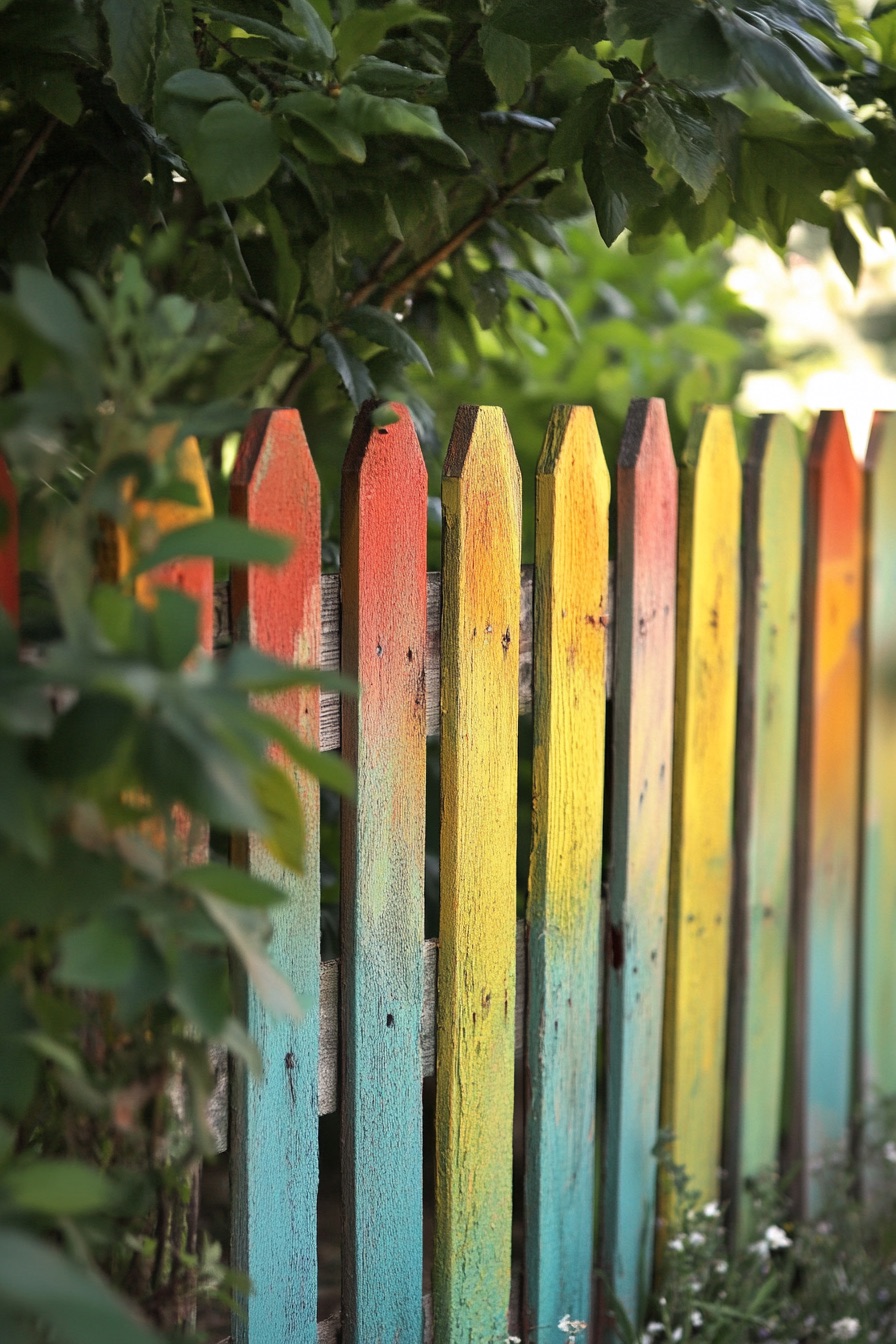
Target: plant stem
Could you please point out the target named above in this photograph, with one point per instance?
(31, 152)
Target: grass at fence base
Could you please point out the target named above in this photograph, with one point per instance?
(832, 1278)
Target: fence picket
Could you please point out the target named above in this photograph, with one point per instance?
(9, 545)
(765, 799)
(383, 545)
(477, 955)
(828, 810)
(275, 1119)
(571, 536)
(643, 705)
(877, 1004)
(702, 796)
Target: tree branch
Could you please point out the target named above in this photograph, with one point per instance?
(31, 152)
(424, 268)
(364, 291)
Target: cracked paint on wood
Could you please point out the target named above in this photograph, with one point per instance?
(275, 1118)
(383, 548)
(477, 954)
(825, 907)
(572, 498)
(702, 798)
(643, 706)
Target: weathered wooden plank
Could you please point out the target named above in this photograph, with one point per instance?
(702, 797)
(877, 985)
(9, 545)
(643, 705)
(275, 1162)
(384, 490)
(827, 827)
(572, 499)
(765, 785)
(474, 1082)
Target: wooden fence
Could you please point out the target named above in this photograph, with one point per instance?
(731, 949)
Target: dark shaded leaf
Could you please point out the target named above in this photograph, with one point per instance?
(352, 371)
(233, 152)
(132, 35)
(384, 329)
(846, 249)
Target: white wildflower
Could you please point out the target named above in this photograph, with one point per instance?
(696, 1319)
(760, 1248)
(676, 1244)
(846, 1328)
(655, 1328)
(697, 1239)
(514, 1339)
(677, 1334)
(890, 1150)
(720, 1266)
(776, 1238)
(712, 1209)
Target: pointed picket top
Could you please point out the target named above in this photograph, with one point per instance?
(702, 797)
(571, 602)
(274, 1158)
(826, 882)
(877, 1004)
(9, 545)
(194, 575)
(643, 706)
(764, 803)
(477, 922)
(383, 548)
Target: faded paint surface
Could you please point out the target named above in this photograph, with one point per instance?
(765, 800)
(383, 546)
(643, 705)
(828, 820)
(702, 797)
(877, 1033)
(477, 933)
(9, 545)
(571, 536)
(274, 1161)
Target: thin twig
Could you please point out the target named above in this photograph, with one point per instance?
(447, 249)
(33, 149)
(364, 291)
(296, 381)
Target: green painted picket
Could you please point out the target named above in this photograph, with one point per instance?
(716, 904)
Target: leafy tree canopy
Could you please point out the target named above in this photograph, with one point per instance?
(330, 181)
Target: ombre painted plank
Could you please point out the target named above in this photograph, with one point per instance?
(765, 799)
(477, 963)
(643, 708)
(702, 797)
(877, 1003)
(9, 545)
(274, 1165)
(572, 499)
(828, 804)
(384, 489)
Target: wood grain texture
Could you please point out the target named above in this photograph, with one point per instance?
(765, 800)
(643, 707)
(477, 963)
(825, 890)
(9, 545)
(274, 1122)
(877, 1002)
(572, 499)
(384, 490)
(702, 797)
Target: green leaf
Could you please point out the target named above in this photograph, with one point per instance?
(231, 884)
(640, 19)
(387, 79)
(101, 954)
(202, 86)
(618, 181)
(25, 813)
(369, 115)
(558, 23)
(784, 72)
(200, 989)
(57, 1188)
(52, 311)
(581, 125)
(248, 669)
(233, 151)
(352, 371)
(684, 139)
(361, 31)
(272, 988)
(132, 36)
(384, 329)
(225, 539)
(847, 250)
(691, 48)
(535, 285)
(313, 25)
(508, 62)
(383, 415)
(57, 91)
(330, 769)
(324, 115)
(43, 1284)
(175, 627)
